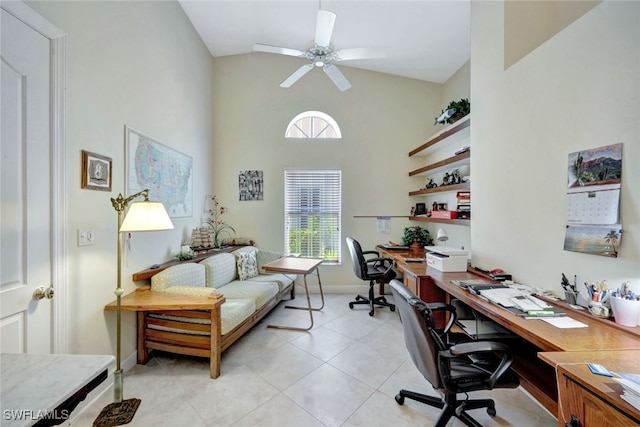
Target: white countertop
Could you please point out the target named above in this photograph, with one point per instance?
(34, 384)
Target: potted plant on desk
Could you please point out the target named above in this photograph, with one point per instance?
(416, 238)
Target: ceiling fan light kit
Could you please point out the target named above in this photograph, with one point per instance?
(322, 55)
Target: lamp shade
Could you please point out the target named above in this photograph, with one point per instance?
(146, 216)
(442, 235)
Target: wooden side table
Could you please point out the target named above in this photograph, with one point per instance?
(304, 266)
(143, 299)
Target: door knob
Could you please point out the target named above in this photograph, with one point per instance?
(42, 292)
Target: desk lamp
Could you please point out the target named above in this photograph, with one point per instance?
(442, 236)
(142, 216)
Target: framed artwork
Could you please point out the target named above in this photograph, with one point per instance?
(166, 172)
(96, 171)
(251, 185)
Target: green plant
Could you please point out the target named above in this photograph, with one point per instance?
(216, 222)
(185, 255)
(416, 234)
(463, 107)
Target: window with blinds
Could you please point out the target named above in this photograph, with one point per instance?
(312, 209)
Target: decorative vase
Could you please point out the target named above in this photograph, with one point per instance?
(416, 249)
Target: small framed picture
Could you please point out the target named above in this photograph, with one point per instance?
(96, 171)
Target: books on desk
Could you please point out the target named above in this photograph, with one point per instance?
(394, 247)
(517, 301)
(631, 388)
(466, 283)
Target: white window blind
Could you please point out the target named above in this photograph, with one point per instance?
(312, 209)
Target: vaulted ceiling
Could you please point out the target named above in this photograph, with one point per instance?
(426, 40)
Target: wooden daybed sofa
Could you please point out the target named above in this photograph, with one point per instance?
(233, 284)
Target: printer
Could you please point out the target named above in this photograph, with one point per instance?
(446, 259)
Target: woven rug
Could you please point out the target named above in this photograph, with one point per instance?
(117, 414)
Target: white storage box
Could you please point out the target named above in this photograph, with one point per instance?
(446, 259)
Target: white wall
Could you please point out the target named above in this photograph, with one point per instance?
(382, 118)
(578, 90)
(140, 64)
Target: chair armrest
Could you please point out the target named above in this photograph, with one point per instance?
(475, 347)
(441, 306)
(370, 252)
(382, 262)
(466, 348)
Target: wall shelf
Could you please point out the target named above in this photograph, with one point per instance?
(449, 163)
(446, 135)
(443, 189)
(464, 222)
(453, 134)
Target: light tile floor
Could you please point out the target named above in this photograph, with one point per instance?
(344, 372)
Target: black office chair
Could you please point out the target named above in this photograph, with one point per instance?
(375, 270)
(460, 368)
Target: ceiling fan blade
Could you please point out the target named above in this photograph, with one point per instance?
(296, 75)
(337, 77)
(324, 27)
(258, 47)
(360, 53)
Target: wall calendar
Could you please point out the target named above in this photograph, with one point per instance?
(593, 201)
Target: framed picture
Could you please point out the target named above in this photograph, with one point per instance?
(251, 185)
(166, 172)
(96, 171)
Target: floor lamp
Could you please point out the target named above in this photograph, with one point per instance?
(142, 216)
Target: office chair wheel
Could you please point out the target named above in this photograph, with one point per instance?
(491, 411)
(400, 399)
(371, 313)
(392, 307)
(351, 305)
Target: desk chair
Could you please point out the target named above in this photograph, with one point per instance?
(375, 270)
(461, 368)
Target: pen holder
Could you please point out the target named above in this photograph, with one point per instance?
(626, 312)
(570, 297)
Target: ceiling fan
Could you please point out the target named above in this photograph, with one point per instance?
(322, 54)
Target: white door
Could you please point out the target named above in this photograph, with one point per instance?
(26, 323)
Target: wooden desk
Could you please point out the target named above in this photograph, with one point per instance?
(593, 399)
(533, 336)
(298, 265)
(143, 299)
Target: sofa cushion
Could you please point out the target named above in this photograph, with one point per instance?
(235, 311)
(260, 292)
(264, 257)
(185, 279)
(232, 313)
(247, 264)
(220, 269)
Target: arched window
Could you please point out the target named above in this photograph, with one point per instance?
(313, 124)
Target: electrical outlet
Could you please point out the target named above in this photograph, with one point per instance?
(85, 237)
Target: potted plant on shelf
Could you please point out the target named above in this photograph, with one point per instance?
(416, 238)
(462, 108)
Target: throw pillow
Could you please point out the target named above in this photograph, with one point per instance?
(247, 265)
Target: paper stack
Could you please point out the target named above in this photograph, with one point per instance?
(631, 388)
